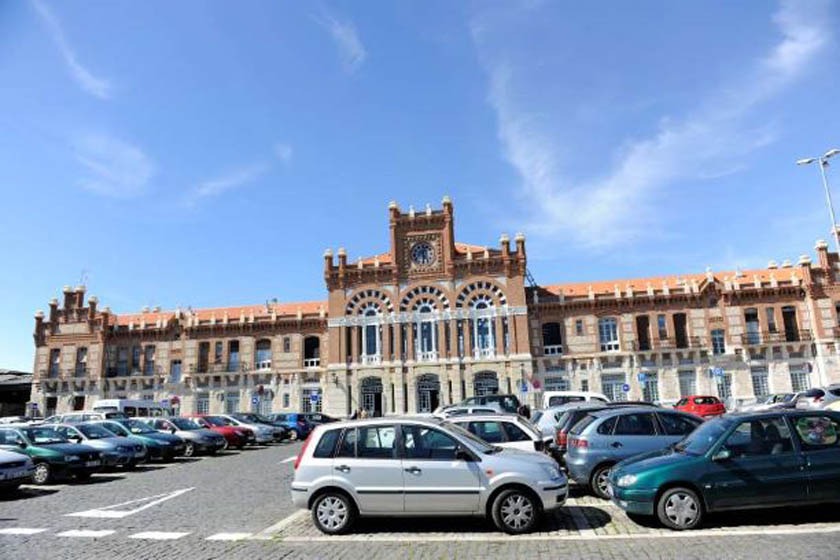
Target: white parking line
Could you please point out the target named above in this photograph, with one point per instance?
(20, 531)
(289, 460)
(228, 537)
(112, 512)
(86, 533)
(158, 536)
(269, 532)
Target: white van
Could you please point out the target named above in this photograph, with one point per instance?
(557, 398)
(132, 408)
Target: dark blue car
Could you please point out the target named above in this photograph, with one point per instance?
(295, 423)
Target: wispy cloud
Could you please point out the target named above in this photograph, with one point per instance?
(283, 152)
(114, 167)
(346, 39)
(605, 211)
(232, 180)
(98, 87)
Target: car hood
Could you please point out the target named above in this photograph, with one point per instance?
(170, 438)
(531, 457)
(653, 460)
(106, 443)
(66, 447)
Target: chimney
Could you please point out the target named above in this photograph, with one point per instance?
(504, 241)
(53, 310)
(68, 297)
(342, 259)
(80, 296)
(520, 244)
(328, 260)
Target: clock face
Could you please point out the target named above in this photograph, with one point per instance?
(422, 253)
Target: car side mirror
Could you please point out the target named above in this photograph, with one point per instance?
(462, 454)
(22, 444)
(722, 455)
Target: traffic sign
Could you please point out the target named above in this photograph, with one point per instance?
(255, 400)
(524, 386)
(717, 371)
(642, 377)
(625, 388)
(314, 397)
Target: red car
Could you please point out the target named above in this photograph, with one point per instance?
(236, 436)
(704, 406)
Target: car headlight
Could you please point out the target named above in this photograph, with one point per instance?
(626, 480)
(71, 457)
(551, 471)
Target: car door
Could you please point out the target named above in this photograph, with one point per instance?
(818, 438)
(517, 438)
(762, 468)
(634, 433)
(436, 481)
(367, 461)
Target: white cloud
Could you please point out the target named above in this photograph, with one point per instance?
(227, 182)
(618, 206)
(97, 87)
(346, 39)
(283, 152)
(114, 167)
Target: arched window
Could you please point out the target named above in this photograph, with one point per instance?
(426, 333)
(371, 339)
(483, 328)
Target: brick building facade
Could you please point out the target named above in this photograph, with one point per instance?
(433, 321)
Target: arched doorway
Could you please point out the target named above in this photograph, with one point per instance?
(486, 383)
(428, 392)
(371, 395)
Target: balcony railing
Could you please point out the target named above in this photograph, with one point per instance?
(371, 359)
(775, 337)
(480, 353)
(311, 362)
(263, 365)
(428, 356)
(553, 350)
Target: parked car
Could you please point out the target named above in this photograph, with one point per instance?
(508, 403)
(405, 466)
(704, 406)
(818, 397)
(605, 437)
(318, 418)
(53, 455)
(16, 468)
(114, 450)
(21, 420)
(262, 433)
(236, 436)
(774, 401)
(556, 398)
(159, 446)
(294, 422)
(458, 410)
(547, 420)
(745, 460)
(279, 430)
(505, 430)
(196, 439)
(86, 416)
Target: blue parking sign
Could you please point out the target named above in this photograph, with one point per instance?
(625, 388)
(717, 371)
(314, 397)
(524, 386)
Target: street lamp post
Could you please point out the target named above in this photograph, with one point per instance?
(823, 163)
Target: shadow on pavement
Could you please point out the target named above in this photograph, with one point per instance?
(824, 513)
(26, 493)
(97, 479)
(561, 520)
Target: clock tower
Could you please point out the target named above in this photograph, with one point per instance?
(422, 242)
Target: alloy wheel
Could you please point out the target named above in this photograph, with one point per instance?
(42, 473)
(517, 511)
(189, 449)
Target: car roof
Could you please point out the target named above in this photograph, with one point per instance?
(754, 415)
(385, 420)
(618, 410)
(474, 417)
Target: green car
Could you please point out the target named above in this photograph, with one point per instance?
(53, 455)
(737, 461)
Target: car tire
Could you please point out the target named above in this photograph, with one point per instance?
(679, 509)
(43, 474)
(515, 511)
(598, 481)
(189, 449)
(293, 435)
(333, 513)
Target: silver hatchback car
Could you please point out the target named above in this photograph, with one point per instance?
(420, 467)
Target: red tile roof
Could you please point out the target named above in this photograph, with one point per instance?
(233, 313)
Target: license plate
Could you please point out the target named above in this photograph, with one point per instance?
(92, 464)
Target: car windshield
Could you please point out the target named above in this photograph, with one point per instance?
(94, 431)
(582, 424)
(184, 424)
(481, 445)
(43, 436)
(218, 421)
(117, 428)
(138, 427)
(535, 417)
(703, 438)
(262, 419)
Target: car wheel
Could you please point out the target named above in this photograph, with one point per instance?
(293, 435)
(131, 465)
(225, 446)
(600, 480)
(679, 509)
(333, 513)
(515, 511)
(43, 473)
(189, 449)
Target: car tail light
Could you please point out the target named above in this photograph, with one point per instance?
(302, 451)
(580, 443)
(561, 438)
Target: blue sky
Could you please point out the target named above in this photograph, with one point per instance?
(206, 153)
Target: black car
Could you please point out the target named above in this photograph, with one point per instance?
(318, 418)
(508, 403)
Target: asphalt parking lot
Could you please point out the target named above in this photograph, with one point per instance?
(237, 505)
